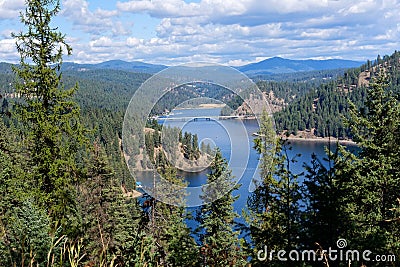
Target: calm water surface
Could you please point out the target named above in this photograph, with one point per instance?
(235, 140)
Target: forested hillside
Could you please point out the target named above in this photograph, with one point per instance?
(276, 65)
(103, 97)
(320, 110)
(315, 104)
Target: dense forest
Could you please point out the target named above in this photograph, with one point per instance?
(64, 185)
(316, 77)
(321, 109)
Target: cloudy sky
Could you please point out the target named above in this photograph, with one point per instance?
(224, 31)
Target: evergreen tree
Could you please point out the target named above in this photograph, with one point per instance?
(371, 179)
(203, 147)
(173, 245)
(157, 138)
(127, 244)
(263, 226)
(113, 225)
(49, 113)
(220, 242)
(24, 225)
(93, 204)
(209, 151)
(180, 138)
(274, 207)
(29, 240)
(322, 221)
(149, 141)
(187, 145)
(195, 146)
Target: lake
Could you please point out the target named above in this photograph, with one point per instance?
(235, 140)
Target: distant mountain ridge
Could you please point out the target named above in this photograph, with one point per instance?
(134, 66)
(277, 65)
(274, 65)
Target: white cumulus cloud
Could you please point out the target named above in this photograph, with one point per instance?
(93, 22)
(11, 9)
(223, 31)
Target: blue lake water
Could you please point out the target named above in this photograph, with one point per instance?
(235, 140)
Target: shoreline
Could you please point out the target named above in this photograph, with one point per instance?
(203, 106)
(289, 138)
(320, 140)
(314, 140)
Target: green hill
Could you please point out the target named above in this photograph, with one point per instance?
(320, 110)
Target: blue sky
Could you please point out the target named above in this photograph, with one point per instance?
(222, 31)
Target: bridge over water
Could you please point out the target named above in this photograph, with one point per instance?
(198, 118)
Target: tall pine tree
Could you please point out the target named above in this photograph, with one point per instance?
(173, 245)
(322, 221)
(49, 114)
(220, 242)
(273, 215)
(371, 179)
